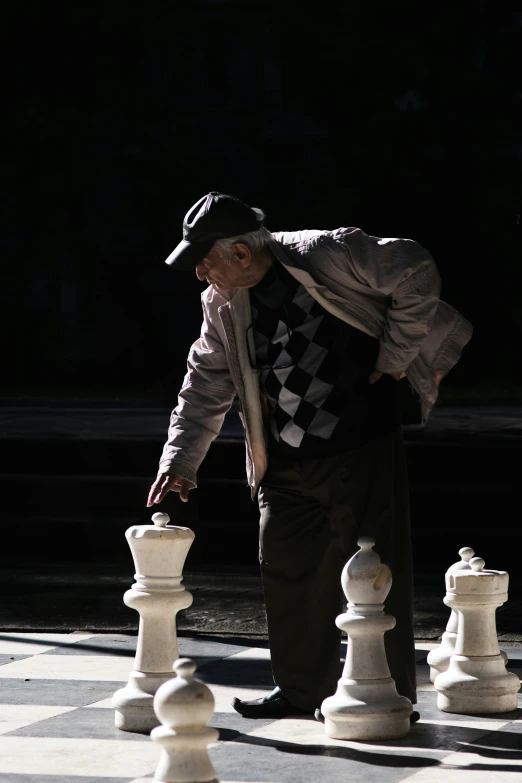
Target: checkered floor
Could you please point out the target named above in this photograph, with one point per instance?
(57, 724)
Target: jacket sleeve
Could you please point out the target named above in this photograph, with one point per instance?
(406, 274)
(205, 397)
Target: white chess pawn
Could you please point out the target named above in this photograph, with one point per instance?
(159, 553)
(184, 706)
(476, 680)
(439, 658)
(366, 705)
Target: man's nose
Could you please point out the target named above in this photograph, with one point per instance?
(199, 272)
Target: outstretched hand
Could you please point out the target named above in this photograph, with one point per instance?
(376, 374)
(166, 483)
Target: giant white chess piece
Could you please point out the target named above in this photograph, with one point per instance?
(439, 658)
(366, 705)
(159, 553)
(476, 680)
(184, 706)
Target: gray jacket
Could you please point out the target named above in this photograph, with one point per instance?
(388, 288)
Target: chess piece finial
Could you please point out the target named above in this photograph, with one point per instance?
(160, 519)
(366, 705)
(466, 554)
(185, 668)
(477, 564)
(184, 706)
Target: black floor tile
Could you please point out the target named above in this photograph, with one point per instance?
(11, 658)
(59, 693)
(93, 723)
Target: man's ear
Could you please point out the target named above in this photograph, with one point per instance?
(243, 254)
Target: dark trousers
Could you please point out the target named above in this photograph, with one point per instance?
(312, 513)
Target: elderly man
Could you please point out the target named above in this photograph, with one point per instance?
(311, 330)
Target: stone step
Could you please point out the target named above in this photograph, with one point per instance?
(100, 456)
(472, 461)
(78, 479)
(230, 537)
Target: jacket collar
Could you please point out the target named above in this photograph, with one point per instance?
(294, 262)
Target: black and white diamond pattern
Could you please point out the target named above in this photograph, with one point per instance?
(290, 361)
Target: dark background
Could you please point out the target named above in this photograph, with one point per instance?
(402, 119)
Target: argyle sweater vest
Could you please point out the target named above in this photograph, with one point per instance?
(313, 371)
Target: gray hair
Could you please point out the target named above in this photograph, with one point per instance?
(254, 240)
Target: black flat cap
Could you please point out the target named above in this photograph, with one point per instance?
(215, 216)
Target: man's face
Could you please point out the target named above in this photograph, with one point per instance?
(222, 275)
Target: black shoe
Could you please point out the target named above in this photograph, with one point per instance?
(414, 717)
(275, 705)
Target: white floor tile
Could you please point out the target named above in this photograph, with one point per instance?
(466, 768)
(465, 759)
(70, 667)
(16, 716)
(446, 774)
(255, 653)
(36, 643)
(427, 646)
(483, 725)
(304, 732)
(309, 732)
(69, 757)
(103, 704)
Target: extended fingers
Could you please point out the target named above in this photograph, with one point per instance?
(159, 489)
(166, 483)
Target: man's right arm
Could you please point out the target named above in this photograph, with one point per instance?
(204, 399)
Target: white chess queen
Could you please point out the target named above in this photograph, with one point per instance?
(159, 553)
